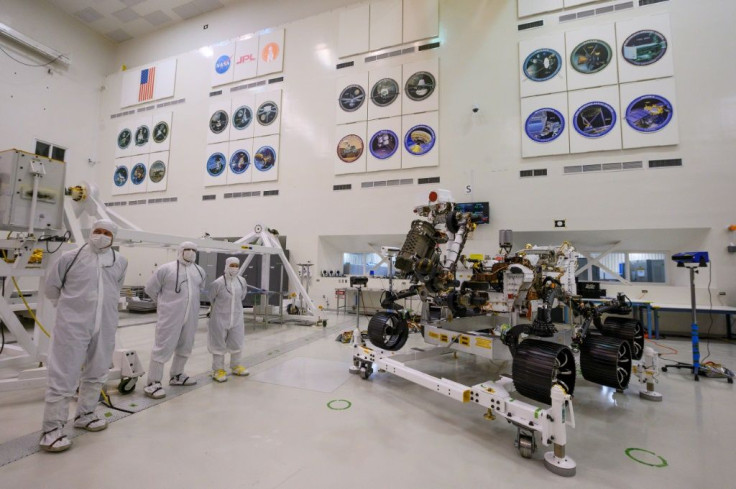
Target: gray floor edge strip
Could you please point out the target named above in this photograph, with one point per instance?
(26, 445)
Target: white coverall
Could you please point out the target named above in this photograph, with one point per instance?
(175, 286)
(226, 326)
(84, 335)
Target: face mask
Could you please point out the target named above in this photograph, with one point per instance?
(232, 271)
(100, 241)
(189, 255)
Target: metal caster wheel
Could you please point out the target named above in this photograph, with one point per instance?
(664, 369)
(730, 380)
(127, 385)
(526, 444)
(365, 372)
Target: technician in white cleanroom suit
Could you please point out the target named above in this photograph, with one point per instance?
(86, 283)
(227, 329)
(175, 286)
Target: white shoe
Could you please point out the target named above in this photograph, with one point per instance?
(90, 422)
(54, 441)
(154, 391)
(219, 375)
(182, 379)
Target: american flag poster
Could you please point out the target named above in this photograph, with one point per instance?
(148, 83)
(148, 80)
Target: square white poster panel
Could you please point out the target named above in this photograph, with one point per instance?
(218, 121)
(124, 139)
(542, 65)
(420, 140)
(532, 7)
(383, 144)
(594, 118)
(350, 148)
(591, 57)
(215, 164)
(384, 92)
(385, 24)
(353, 30)
(268, 113)
(141, 135)
(271, 52)
(644, 48)
(158, 171)
(161, 125)
(351, 94)
(421, 19)
(138, 174)
(420, 87)
(243, 116)
(246, 59)
(240, 161)
(120, 179)
(544, 130)
(221, 64)
(266, 159)
(649, 114)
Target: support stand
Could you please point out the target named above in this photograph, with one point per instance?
(358, 283)
(694, 332)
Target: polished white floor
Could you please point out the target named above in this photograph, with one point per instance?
(274, 429)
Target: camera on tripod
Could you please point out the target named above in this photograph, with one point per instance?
(358, 281)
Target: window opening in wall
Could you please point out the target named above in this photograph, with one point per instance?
(50, 150)
(624, 267)
(368, 264)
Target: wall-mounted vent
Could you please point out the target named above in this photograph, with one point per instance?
(539, 172)
(585, 13)
(397, 52)
(268, 193)
(115, 204)
(346, 64)
(589, 168)
(346, 186)
(276, 80)
(530, 25)
(215, 93)
(573, 169)
(642, 3)
(426, 47)
(632, 165)
(237, 195)
(209, 197)
(611, 167)
(598, 11)
(665, 163)
(424, 181)
(385, 183)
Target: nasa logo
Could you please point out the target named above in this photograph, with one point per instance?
(270, 52)
(222, 64)
(245, 58)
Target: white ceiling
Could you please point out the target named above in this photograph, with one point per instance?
(121, 20)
